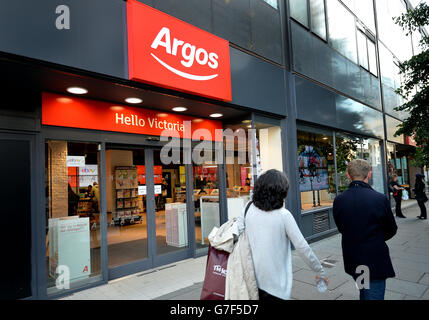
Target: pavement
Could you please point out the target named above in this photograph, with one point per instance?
(183, 280)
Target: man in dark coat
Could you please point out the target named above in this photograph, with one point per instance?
(365, 220)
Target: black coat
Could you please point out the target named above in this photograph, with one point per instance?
(365, 220)
(419, 190)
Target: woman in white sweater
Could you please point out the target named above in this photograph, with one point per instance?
(271, 229)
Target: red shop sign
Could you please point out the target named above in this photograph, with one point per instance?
(168, 52)
(65, 111)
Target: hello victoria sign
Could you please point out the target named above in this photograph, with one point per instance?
(65, 111)
(168, 52)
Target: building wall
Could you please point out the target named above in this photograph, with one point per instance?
(57, 165)
(242, 22)
(338, 57)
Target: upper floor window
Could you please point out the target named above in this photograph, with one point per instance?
(272, 3)
(364, 10)
(318, 20)
(367, 52)
(299, 11)
(310, 13)
(342, 30)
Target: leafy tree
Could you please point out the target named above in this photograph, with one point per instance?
(415, 86)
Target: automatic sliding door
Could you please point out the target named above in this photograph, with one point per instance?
(127, 234)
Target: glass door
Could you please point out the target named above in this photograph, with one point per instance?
(170, 203)
(147, 209)
(127, 231)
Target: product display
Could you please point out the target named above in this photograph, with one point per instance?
(176, 224)
(127, 197)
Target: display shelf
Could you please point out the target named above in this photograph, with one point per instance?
(126, 197)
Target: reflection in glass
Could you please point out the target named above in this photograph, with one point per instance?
(318, 20)
(363, 50)
(342, 29)
(371, 151)
(316, 169)
(73, 213)
(298, 11)
(347, 149)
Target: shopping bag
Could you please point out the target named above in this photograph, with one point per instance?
(405, 196)
(215, 278)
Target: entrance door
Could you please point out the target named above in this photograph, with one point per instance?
(147, 210)
(15, 222)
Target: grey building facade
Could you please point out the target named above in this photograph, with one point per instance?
(312, 85)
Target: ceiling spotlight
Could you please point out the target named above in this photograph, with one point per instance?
(179, 109)
(133, 100)
(216, 115)
(77, 90)
(247, 121)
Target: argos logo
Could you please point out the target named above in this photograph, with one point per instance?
(189, 53)
(171, 53)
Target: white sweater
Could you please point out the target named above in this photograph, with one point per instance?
(270, 235)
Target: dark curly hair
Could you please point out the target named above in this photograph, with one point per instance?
(271, 190)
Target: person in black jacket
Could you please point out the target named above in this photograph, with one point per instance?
(419, 189)
(365, 220)
(397, 195)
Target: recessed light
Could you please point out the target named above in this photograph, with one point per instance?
(179, 109)
(216, 115)
(77, 90)
(162, 115)
(133, 100)
(247, 121)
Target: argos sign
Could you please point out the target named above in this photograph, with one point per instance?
(168, 52)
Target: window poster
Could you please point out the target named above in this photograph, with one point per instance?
(313, 169)
(126, 177)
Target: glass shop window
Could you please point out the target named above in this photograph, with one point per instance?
(316, 169)
(348, 148)
(72, 215)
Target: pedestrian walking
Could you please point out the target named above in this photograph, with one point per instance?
(270, 229)
(397, 195)
(365, 220)
(419, 190)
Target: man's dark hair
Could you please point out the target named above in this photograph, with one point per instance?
(271, 190)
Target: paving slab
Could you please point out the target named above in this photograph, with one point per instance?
(183, 280)
(425, 279)
(406, 287)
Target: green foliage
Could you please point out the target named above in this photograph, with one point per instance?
(415, 85)
(346, 150)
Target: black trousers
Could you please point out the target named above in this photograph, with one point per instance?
(422, 206)
(398, 210)
(265, 296)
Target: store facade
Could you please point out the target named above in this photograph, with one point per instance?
(113, 187)
(129, 133)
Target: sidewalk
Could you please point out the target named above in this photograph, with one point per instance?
(409, 250)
